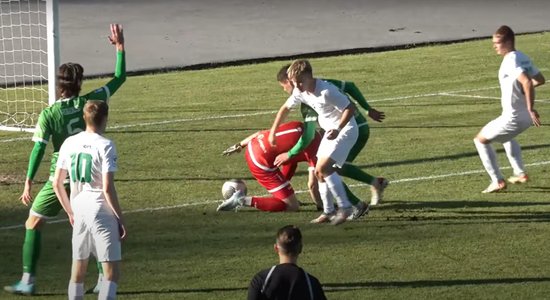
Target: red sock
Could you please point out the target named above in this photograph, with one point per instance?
(268, 204)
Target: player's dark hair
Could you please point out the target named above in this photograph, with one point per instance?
(282, 75)
(289, 240)
(506, 34)
(95, 112)
(69, 80)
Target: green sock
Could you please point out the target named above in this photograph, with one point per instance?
(31, 250)
(352, 198)
(99, 268)
(354, 172)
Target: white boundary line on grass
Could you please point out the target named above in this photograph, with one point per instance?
(422, 178)
(266, 112)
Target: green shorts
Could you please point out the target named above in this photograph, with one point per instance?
(45, 204)
(362, 140)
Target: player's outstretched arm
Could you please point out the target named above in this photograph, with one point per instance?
(351, 89)
(61, 193)
(112, 200)
(116, 38)
(280, 118)
(240, 145)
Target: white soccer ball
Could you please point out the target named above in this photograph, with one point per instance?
(231, 186)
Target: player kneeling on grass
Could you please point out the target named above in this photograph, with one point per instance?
(260, 158)
(518, 78)
(335, 117)
(93, 210)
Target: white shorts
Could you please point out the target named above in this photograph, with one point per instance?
(504, 129)
(339, 148)
(98, 235)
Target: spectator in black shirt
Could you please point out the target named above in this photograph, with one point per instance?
(286, 280)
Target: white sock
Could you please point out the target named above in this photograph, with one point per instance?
(336, 187)
(488, 158)
(326, 197)
(76, 291)
(248, 201)
(108, 290)
(513, 151)
(27, 278)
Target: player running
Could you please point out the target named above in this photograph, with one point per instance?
(57, 122)
(335, 117)
(260, 157)
(378, 184)
(518, 78)
(90, 160)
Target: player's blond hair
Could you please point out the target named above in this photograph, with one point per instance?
(299, 69)
(95, 112)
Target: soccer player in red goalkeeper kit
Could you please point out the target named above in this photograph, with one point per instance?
(260, 158)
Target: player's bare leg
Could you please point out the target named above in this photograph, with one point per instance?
(313, 188)
(76, 284)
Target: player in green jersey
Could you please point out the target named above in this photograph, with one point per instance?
(55, 123)
(378, 184)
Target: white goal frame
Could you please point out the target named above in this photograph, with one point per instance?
(53, 53)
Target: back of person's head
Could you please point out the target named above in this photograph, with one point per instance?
(300, 69)
(282, 75)
(69, 79)
(95, 113)
(505, 34)
(289, 240)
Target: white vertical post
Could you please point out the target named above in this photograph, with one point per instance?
(52, 23)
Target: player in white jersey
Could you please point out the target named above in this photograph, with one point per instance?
(518, 77)
(93, 209)
(336, 117)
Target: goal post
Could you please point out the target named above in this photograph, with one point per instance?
(29, 58)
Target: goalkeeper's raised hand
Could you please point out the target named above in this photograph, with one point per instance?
(235, 148)
(117, 36)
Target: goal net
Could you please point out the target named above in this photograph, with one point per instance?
(29, 56)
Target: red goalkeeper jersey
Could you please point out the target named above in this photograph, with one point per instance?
(263, 154)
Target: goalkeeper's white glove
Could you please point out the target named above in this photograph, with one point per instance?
(235, 148)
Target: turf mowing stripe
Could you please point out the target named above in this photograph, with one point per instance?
(267, 112)
(482, 97)
(422, 178)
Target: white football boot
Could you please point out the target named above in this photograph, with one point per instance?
(234, 202)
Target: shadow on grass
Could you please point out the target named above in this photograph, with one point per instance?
(173, 130)
(334, 287)
(442, 158)
(373, 165)
(184, 291)
(456, 204)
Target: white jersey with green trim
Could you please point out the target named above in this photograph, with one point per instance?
(86, 157)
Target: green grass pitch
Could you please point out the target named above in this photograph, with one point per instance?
(435, 236)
